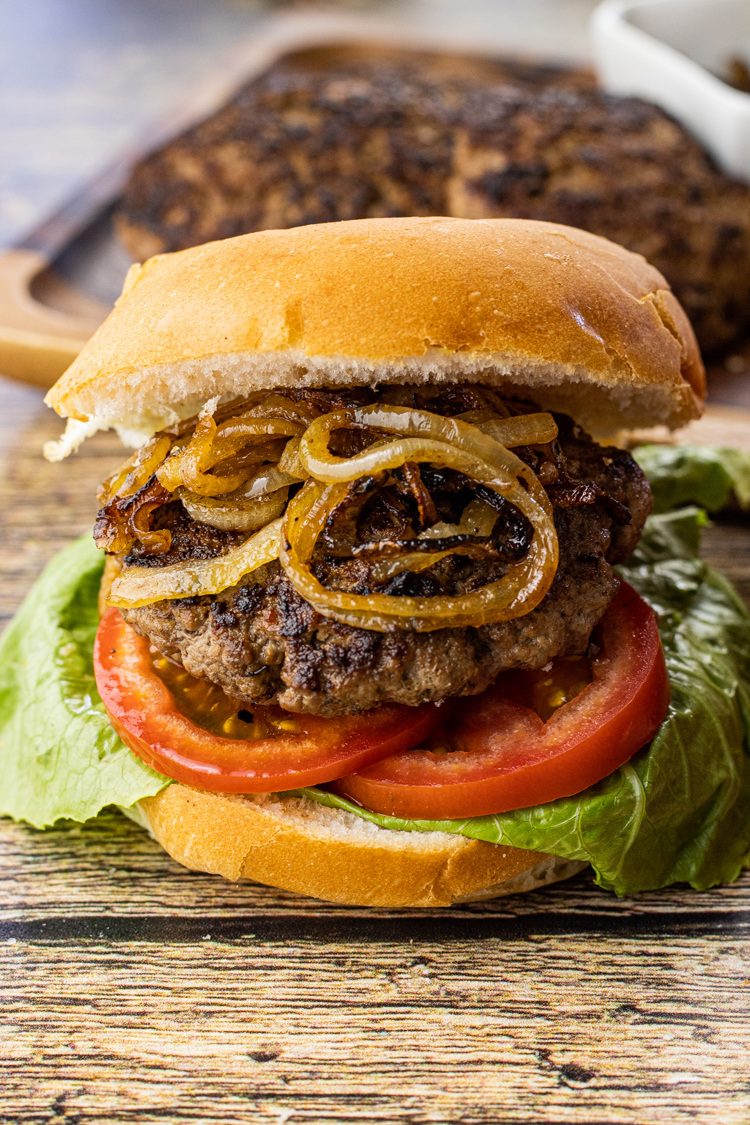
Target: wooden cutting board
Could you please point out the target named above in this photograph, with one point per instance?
(134, 990)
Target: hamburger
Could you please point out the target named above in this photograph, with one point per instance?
(361, 597)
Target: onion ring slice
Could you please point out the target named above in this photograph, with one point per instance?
(235, 515)
(138, 586)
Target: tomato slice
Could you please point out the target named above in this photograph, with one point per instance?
(502, 755)
(287, 752)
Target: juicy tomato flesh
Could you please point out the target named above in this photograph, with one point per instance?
(191, 731)
(533, 736)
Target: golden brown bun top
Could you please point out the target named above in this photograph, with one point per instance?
(569, 319)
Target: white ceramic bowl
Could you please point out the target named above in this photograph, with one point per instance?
(671, 52)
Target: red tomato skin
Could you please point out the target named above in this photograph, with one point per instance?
(512, 760)
(142, 710)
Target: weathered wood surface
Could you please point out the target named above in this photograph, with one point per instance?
(134, 990)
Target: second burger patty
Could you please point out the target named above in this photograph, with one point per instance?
(263, 644)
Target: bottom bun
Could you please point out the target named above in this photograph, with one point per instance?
(299, 845)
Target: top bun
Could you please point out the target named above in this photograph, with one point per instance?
(557, 316)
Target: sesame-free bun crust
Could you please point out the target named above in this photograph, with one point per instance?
(298, 845)
(562, 317)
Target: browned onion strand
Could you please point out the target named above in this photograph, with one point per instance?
(278, 406)
(136, 471)
(137, 586)
(182, 430)
(211, 444)
(480, 546)
(224, 476)
(478, 519)
(235, 515)
(290, 463)
(127, 519)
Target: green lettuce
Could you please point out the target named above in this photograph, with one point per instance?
(60, 757)
(695, 474)
(679, 811)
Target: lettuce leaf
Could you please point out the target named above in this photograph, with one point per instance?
(679, 811)
(60, 757)
(710, 476)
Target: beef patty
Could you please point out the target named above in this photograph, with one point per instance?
(309, 145)
(262, 643)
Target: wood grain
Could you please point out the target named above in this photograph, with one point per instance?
(133, 990)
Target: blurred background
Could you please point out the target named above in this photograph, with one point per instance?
(79, 79)
(130, 127)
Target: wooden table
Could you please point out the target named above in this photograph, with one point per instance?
(133, 990)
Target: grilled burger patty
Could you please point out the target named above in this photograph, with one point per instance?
(262, 643)
(309, 146)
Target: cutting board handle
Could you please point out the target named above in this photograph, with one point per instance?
(38, 341)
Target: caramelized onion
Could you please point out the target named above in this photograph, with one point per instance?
(477, 546)
(138, 586)
(427, 436)
(127, 519)
(186, 465)
(523, 429)
(218, 473)
(260, 499)
(234, 515)
(211, 444)
(289, 462)
(266, 480)
(136, 471)
(231, 436)
(425, 504)
(442, 441)
(478, 519)
(279, 406)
